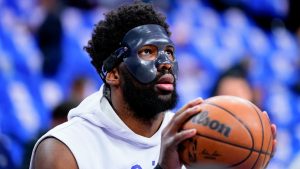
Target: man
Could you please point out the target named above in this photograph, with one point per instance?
(234, 81)
(127, 123)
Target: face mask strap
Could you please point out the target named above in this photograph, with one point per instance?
(112, 61)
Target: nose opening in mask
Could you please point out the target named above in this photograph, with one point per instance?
(162, 59)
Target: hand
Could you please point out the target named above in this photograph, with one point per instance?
(172, 135)
(274, 133)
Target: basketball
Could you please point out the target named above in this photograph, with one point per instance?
(231, 132)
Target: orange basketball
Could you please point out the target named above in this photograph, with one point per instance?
(231, 132)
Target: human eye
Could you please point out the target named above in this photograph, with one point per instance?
(170, 53)
(147, 52)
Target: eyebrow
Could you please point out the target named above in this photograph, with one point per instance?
(170, 46)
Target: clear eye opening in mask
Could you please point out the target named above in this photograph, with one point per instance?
(142, 50)
(150, 52)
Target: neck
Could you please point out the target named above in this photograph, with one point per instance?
(146, 128)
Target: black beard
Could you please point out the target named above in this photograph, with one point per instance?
(143, 100)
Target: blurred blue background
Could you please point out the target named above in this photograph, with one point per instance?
(42, 61)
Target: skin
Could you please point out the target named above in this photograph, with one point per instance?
(45, 158)
(51, 153)
(169, 157)
(235, 86)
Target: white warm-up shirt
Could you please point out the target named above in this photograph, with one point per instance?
(99, 139)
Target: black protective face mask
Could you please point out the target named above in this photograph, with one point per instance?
(144, 71)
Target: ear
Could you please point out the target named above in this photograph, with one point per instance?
(113, 77)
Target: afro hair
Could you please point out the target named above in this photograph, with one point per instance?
(108, 33)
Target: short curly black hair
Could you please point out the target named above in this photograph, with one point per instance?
(108, 33)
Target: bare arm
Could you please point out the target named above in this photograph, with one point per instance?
(53, 154)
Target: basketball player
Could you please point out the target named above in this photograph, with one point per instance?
(126, 124)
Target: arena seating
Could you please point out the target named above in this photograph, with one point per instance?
(208, 42)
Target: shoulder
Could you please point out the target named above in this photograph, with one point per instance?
(54, 154)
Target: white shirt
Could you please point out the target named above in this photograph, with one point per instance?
(98, 138)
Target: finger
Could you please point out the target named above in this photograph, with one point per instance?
(274, 130)
(190, 105)
(274, 133)
(183, 135)
(274, 144)
(180, 119)
(266, 114)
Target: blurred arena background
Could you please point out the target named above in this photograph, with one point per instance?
(43, 65)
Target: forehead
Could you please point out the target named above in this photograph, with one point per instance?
(147, 35)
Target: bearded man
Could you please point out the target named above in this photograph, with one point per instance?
(127, 123)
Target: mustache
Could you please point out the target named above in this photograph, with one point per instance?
(162, 73)
(165, 71)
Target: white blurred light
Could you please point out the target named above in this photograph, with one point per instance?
(24, 106)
